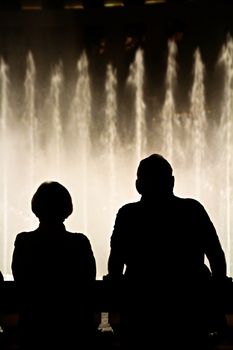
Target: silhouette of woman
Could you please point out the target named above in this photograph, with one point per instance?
(54, 271)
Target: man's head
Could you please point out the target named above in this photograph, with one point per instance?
(154, 177)
(52, 202)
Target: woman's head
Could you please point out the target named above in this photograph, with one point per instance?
(52, 202)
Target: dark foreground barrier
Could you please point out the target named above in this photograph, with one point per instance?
(105, 297)
(106, 301)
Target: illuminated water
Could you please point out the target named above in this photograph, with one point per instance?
(96, 161)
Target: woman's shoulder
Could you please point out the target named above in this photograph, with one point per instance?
(78, 237)
(34, 237)
(25, 239)
(25, 235)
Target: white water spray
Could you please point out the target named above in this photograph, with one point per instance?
(197, 129)
(81, 123)
(64, 142)
(226, 127)
(30, 116)
(55, 95)
(136, 77)
(4, 114)
(110, 131)
(168, 111)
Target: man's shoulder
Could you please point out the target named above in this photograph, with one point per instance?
(128, 207)
(189, 203)
(128, 210)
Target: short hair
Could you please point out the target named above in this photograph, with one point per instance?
(52, 201)
(154, 164)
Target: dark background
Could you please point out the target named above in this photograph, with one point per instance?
(55, 34)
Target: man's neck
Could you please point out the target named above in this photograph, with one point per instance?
(159, 198)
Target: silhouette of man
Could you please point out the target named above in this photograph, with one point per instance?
(54, 271)
(158, 247)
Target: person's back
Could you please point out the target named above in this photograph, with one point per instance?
(54, 271)
(166, 238)
(162, 241)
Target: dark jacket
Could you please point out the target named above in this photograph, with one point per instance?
(158, 252)
(169, 239)
(54, 271)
